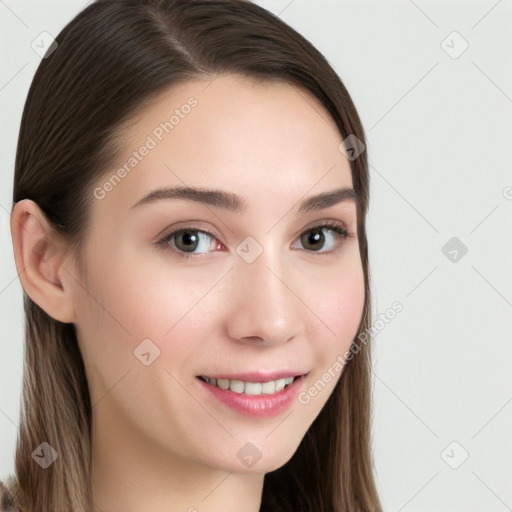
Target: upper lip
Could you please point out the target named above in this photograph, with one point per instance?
(257, 376)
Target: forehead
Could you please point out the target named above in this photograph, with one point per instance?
(230, 132)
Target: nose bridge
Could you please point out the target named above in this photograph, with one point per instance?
(265, 307)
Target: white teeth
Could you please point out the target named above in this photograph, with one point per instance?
(279, 385)
(268, 388)
(237, 386)
(251, 388)
(223, 383)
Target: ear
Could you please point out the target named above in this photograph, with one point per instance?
(39, 253)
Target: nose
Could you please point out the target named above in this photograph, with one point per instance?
(264, 306)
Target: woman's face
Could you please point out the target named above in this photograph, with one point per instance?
(263, 297)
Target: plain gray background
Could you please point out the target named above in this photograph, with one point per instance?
(439, 126)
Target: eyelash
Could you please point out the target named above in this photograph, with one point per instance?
(334, 226)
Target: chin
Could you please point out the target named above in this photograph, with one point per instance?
(259, 456)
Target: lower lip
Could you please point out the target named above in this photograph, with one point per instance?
(257, 406)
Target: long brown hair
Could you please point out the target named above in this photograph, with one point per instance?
(111, 59)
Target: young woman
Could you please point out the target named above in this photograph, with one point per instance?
(189, 230)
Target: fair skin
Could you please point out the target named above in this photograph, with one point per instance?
(160, 442)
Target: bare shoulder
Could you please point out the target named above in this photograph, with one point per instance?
(7, 503)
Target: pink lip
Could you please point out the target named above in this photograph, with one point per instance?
(256, 406)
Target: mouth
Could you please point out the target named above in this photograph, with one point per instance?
(256, 394)
(270, 387)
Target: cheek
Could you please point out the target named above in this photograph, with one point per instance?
(134, 296)
(340, 308)
(129, 299)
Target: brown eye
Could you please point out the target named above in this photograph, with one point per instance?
(189, 241)
(313, 240)
(186, 240)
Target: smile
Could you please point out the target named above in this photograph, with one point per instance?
(263, 399)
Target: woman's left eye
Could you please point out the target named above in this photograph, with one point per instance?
(186, 241)
(315, 237)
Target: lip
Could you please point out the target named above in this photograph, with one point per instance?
(256, 406)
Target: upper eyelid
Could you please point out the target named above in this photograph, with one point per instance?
(325, 223)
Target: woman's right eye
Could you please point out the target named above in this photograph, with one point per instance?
(186, 241)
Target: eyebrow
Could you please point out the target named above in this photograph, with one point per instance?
(232, 202)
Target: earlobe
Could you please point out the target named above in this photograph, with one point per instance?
(39, 253)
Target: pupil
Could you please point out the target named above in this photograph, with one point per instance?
(190, 240)
(314, 236)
